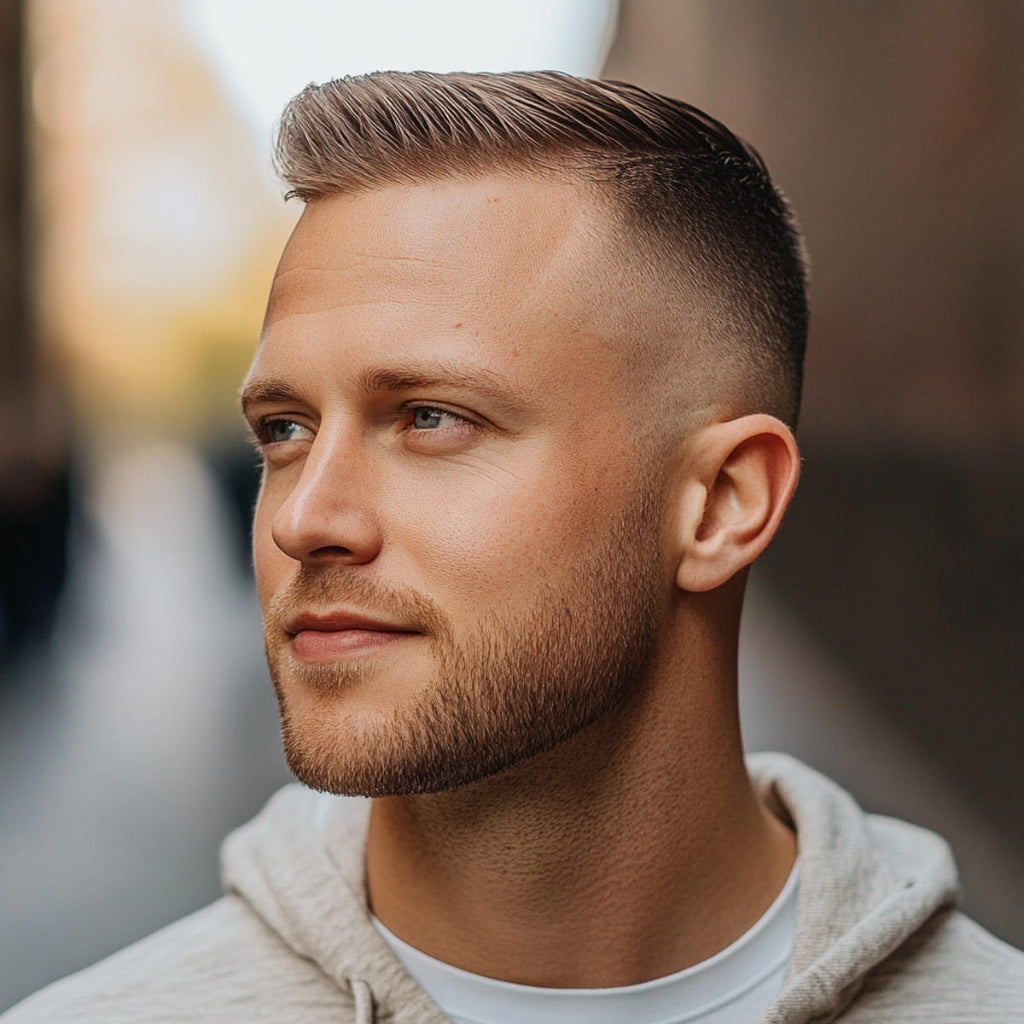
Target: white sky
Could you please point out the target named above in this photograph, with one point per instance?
(265, 51)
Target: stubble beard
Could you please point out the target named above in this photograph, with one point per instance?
(517, 686)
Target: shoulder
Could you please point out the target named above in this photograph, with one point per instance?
(219, 964)
(952, 966)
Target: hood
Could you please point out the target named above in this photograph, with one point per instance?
(299, 866)
(867, 884)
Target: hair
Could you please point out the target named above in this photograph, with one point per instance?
(695, 201)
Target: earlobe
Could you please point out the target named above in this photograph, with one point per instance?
(745, 472)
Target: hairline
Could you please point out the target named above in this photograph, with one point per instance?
(620, 145)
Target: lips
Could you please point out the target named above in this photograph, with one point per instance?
(336, 622)
(316, 637)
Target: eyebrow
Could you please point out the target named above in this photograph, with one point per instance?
(485, 382)
(383, 380)
(268, 389)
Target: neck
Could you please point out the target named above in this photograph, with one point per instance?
(631, 851)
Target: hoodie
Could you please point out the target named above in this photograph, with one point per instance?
(877, 940)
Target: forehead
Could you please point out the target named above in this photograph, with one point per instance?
(509, 261)
(467, 232)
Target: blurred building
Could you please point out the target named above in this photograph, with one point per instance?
(158, 225)
(896, 131)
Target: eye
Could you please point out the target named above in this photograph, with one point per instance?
(434, 430)
(278, 431)
(429, 417)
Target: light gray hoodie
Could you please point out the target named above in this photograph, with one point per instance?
(877, 937)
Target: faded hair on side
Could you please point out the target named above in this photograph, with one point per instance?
(697, 202)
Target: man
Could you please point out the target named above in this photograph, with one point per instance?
(525, 397)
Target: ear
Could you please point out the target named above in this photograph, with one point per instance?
(739, 479)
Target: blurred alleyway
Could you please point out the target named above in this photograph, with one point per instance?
(146, 733)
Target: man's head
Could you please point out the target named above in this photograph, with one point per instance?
(510, 413)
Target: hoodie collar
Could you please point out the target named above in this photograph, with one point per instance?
(867, 883)
(300, 865)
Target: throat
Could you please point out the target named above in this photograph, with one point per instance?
(584, 893)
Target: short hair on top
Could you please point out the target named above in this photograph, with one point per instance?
(689, 192)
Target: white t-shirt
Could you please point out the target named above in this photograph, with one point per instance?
(732, 987)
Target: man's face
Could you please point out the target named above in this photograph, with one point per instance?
(457, 541)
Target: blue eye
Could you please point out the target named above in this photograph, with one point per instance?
(425, 417)
(282, 430)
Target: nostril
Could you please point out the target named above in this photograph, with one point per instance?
(331, 551)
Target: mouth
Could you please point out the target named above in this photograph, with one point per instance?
(338, 635)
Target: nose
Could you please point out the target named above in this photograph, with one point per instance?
(329, 514)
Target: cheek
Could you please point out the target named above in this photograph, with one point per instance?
(484, 544)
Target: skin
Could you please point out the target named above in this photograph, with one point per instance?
(635, 846)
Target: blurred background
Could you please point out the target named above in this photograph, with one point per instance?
(139, 227)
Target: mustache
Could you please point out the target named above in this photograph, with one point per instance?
(324, 589)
